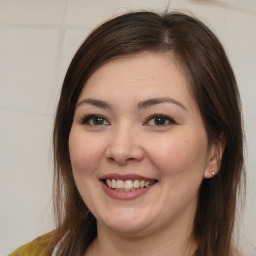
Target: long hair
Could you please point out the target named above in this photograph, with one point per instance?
(214, 88)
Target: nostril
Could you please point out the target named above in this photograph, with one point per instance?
(123, 154)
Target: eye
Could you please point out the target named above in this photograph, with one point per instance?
(160, 120)
(94, 120)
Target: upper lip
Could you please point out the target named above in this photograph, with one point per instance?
(129, 176)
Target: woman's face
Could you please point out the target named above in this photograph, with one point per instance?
(138, 146)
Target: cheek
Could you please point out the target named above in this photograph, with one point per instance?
(179, 154)
(85, 153)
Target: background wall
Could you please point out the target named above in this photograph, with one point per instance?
(37, 41)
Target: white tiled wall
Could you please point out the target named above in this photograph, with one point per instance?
(37, 41)
(28, 58)
(32, 12)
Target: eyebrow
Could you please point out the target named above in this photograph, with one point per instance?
(94, 102)
(141, 105)
(155, 101)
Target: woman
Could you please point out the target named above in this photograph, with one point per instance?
(148, 143)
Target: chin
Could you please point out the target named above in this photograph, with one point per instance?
(127, 223)
(126, 229)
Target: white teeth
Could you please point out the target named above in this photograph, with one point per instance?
(113, 185)
(108, 181)
(128, 185)
(119, 184)
(146, 184)
(136, 184)
(142, 183)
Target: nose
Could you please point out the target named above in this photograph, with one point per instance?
(124, 146)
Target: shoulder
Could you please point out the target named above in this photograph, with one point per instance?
(37, 247)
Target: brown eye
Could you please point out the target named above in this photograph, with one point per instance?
(94, 120)
(97, 121)
(160, 120)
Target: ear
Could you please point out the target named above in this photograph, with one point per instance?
(215, 153)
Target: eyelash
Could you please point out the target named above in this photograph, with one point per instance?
(86, 120)
(93, 117)
(163, 117)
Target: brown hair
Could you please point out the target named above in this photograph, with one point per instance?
(215, 90)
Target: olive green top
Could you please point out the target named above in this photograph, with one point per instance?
(37, 247)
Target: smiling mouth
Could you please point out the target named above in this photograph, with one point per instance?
(128, 185)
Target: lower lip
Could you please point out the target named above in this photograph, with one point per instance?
(122, 195)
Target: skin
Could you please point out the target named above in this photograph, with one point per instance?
(127, 140)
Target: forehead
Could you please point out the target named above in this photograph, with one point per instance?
(146, 71)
